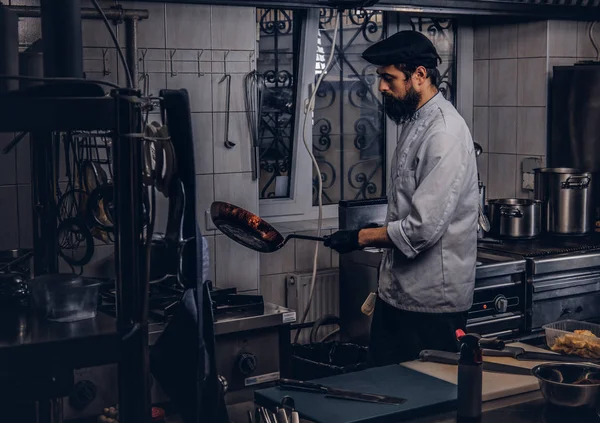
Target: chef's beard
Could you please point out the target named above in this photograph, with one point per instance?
(402, 110)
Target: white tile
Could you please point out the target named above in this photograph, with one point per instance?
(503, 130)
(198, 87)
(481, 127)
(305, 251)
(533, 39)
(236, 265)
(503, 41)
(238, 189)
(238, 158)
(272, 288)
(532, 82)
(95, 34)
(531, 131)
(562, 38)
(233, 28)
(503, 90)
(482, 167)
(204, 198)
(188, 26)
(481, 77)
(481, 40)
(585, 48)
(281, 261)
(25, 222)
(202, 130)
(151, 31)
(8, 162)
(9, 230)
(501, 176)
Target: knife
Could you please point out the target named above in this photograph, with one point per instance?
(445, 357)
(522, 355)
(339, 393)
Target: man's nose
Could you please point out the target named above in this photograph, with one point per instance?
(383, 86)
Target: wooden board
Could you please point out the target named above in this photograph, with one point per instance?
(495, 385)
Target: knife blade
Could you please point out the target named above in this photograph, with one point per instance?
(445, 357)
(339, 393)
(522, 355)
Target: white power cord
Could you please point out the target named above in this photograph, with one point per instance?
(308, 110)
(593, 40)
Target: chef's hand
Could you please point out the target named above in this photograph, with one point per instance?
(346, 241)
(343, 241)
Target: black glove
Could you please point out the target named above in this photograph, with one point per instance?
(346, 241)
(343, 241)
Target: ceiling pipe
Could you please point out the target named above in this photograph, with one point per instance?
(113, 13)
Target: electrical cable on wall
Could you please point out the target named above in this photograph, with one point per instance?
(593, 40)
(116, 41)
(308, 110)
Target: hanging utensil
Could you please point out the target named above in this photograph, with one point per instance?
(250, 230)
(227, 77)
(254, 84)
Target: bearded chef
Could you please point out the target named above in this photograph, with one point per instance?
(427, 274)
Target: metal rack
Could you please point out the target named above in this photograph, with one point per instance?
(120, 113)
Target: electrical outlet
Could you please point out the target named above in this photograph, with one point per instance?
(528, 167)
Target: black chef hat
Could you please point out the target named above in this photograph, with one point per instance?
(404, 47)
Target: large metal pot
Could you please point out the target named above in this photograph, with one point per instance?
(568, 201)
(515, 218)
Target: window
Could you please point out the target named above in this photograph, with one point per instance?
(349, 122)
(349, 127)
(278, 40)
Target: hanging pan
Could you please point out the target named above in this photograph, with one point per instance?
(250, 230)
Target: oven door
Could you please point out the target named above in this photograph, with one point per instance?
(498, 306)
(563, 296)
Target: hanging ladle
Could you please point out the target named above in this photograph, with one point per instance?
(250, 230)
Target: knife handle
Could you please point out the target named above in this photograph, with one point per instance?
(301, 385)
(491, 344)
(497, 353)
(443, 357)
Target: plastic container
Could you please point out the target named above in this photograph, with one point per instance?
(568, 327)
(64, 297)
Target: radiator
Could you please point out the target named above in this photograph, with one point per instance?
(326, 299)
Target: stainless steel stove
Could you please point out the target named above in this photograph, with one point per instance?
(563, 275)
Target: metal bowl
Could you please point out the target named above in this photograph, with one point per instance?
(569, 384)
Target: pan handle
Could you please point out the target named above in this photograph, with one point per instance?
(308, 237)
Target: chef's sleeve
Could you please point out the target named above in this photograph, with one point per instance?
(440, 176)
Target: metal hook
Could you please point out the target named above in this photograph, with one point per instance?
(172, 54)
(105, 69)
(225, 62)
(200, 73)
(250, 61)
(142, 59)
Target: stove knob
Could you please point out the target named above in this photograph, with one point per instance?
(501, 304)
(247, 363)
(82, 395)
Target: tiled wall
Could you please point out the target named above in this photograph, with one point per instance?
(181, 30)
(512, 69)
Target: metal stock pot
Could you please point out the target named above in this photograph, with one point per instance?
(515, 218)
(568, 201)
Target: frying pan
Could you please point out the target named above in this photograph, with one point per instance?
(250, 230)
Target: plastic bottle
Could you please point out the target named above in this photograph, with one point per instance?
(470, 373)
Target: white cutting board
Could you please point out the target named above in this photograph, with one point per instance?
(495, 385)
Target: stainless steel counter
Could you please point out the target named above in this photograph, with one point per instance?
(238, 321)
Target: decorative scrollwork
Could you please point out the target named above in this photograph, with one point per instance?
(325, 15)
(362, 180)
(328, 178)
(283, 78)
(367, 133)
(271, 22)
(324, 139)
(326, 92)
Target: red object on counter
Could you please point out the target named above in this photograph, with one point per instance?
(158, 415)
(459, 333)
